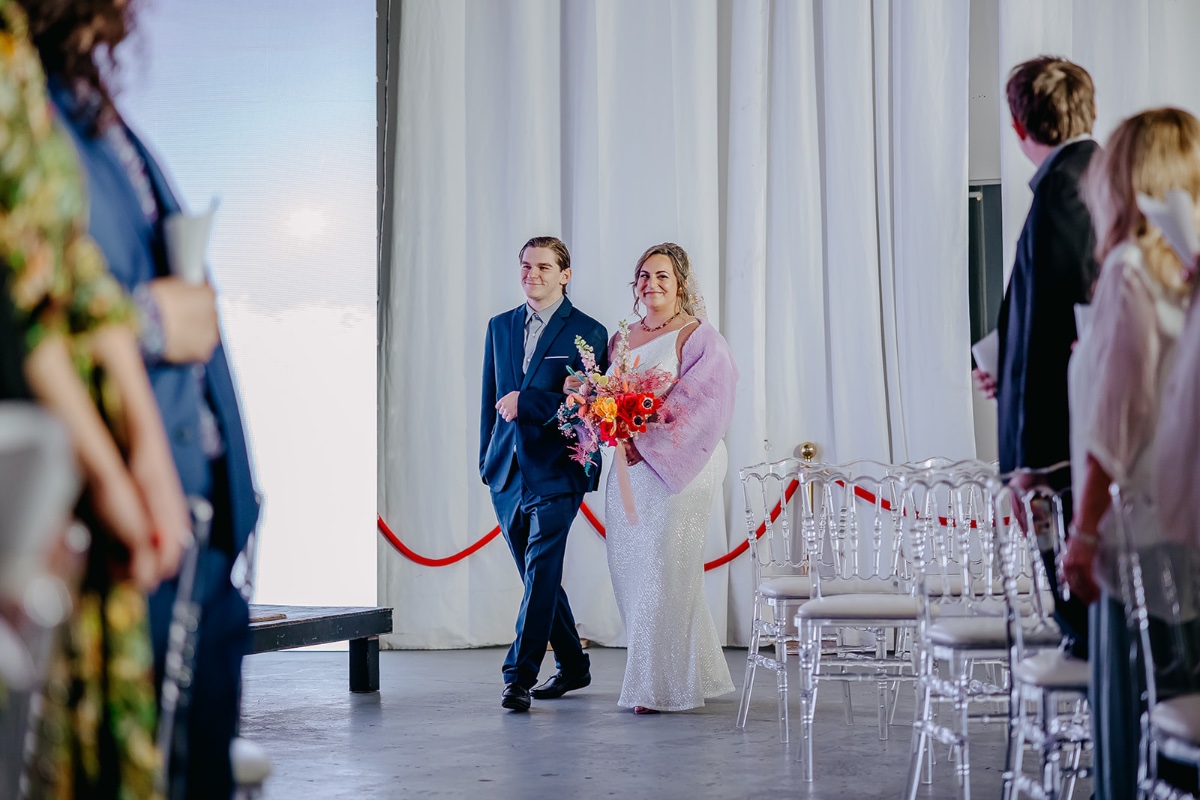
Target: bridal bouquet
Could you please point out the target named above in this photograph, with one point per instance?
(611, 409)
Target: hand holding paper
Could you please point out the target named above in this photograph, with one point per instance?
(1176, 218)
(987, 361)
(987, 353)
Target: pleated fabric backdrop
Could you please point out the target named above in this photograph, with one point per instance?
(812, 159)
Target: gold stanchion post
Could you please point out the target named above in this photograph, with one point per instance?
(808, 452)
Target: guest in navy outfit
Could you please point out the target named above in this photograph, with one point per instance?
(1052, 105)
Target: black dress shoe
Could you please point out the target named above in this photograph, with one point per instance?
(560, 684)
(515, 697)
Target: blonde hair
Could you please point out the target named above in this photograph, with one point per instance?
(1149, 153)
(683, 273)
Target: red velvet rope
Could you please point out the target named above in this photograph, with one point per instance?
(395, 542)
(592, 519)
(595, 522)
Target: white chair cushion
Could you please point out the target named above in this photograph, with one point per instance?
(986, 632)
(861, 606)
(798, 586)
(1052, 669)
(1178, 717)
(934, 585)
(251, 764)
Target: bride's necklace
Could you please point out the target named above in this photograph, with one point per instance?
(659, 327)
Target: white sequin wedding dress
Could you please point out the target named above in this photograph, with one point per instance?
(674, 659)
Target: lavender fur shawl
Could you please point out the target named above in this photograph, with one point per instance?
(696, 412)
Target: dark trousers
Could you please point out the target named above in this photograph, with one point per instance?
(1071, 615)
(536, 529)
(222, 640)
(1115, 695)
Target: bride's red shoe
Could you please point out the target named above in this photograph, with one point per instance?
(642, 710)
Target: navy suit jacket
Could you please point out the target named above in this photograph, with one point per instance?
(136, 253)
(533, 443)
(1054, 269)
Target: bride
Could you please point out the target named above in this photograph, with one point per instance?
(674, 659)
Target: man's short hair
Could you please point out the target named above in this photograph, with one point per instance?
(1053, 99)
(553, 243)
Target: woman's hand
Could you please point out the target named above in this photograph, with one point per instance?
(572, 384)
(1079, 567)
(157, 482)
(150, 462)
(117, 503)
(632, 456)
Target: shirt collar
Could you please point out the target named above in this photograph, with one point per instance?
(546, 313)
(1045, 167)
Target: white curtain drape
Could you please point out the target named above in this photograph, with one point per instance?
(1140, 53)
(812, 159)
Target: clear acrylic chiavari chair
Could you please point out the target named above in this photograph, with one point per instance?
(1048, 705)
(781, 580)
(1166, 629)
(949, 532)
(857, 626)
(38, 485)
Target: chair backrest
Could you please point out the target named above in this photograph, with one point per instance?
(772, 498)
(1027, 518)
(1170, 645)
(949, 537)
(851, 527)
(842, 523)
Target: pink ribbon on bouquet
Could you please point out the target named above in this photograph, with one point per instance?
(622, 464)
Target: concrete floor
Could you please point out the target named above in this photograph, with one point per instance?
(436, 729)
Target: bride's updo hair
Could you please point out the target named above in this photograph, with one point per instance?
(683, 273)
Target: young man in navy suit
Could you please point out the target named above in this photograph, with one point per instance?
(524, 459)
(1053, 107)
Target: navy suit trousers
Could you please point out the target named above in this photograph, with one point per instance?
(536, 529)
(223, 638)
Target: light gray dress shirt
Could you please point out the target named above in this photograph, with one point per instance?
(535, 323)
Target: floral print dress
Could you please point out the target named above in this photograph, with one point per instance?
(97, 721)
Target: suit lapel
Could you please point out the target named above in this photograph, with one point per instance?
(516, 342)
(167, 202)
(553, 327)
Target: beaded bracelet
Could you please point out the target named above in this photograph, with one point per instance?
(1090, 539)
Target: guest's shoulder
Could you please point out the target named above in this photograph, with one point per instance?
(1072, 161)
(504, 316)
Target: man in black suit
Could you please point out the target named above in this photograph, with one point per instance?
(1053, 107)
(523, 457)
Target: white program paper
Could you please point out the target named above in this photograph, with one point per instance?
(987, 353)
(187, 238)
(1175, 216)
(1083, 319)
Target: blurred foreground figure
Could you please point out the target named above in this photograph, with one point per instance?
(130, 200)
(69, 330)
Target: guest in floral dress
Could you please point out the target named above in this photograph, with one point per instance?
(96, 731)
